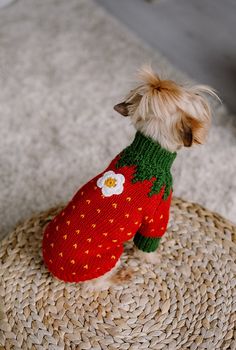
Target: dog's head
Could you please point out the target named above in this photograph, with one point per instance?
(172, 114)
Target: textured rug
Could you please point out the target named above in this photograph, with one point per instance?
(63, 65)
(187, 301)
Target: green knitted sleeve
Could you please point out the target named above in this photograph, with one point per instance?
(150, 232)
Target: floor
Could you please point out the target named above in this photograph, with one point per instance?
(196, 36)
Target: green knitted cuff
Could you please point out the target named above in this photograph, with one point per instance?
(146, 244)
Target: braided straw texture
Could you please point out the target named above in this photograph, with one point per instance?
(188, 301)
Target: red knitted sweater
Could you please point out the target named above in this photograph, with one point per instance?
(85, 240)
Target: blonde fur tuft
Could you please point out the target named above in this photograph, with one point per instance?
(146, 75)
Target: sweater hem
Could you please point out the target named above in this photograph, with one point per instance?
(67, 277)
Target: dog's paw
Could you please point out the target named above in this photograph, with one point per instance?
(96, 285)
(152, 258)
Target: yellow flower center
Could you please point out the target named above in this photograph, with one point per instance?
(110, 182)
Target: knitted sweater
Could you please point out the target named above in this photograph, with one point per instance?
(130, 199)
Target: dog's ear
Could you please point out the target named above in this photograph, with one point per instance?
(195, 116)
(191, 131)
(122, 108)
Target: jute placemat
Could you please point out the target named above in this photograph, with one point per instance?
(188, 301)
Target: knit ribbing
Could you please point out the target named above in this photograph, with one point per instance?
(151, 161)
(146, 244)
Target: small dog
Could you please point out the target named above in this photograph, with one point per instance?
(132, 197)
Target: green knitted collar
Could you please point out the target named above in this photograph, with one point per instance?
(151, 161)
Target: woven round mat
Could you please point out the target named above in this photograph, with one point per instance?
(188, 301)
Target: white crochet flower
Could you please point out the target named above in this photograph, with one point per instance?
(111, 183)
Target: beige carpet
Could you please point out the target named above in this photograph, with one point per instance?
(63, 65)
